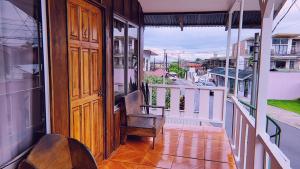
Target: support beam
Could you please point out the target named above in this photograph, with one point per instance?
(234, 6)
(264, 70)
(227, 64)
(239, 48)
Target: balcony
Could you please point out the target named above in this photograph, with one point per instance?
(195, 136)
(179, 147)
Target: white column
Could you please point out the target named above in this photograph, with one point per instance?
(264, 70)
(46, 65)
(227, 64)
(238, 48)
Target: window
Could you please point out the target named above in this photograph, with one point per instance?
(293, 49)
(280, 46)
(125, 59)
(280, 64)
(292, 64)
(22, 117)
(132, 58)
(119, 59)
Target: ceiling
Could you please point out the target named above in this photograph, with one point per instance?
(179, 6)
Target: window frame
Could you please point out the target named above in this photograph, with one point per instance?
(126, 52)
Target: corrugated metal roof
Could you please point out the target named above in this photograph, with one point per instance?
(252, 19)
(243, 74)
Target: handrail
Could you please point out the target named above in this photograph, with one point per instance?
(278, 129)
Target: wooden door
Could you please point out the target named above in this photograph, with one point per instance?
(85, 75)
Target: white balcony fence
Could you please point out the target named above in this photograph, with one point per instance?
(244, 140)
(198, 104)
(193, 105)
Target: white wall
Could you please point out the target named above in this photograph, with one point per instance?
(284, 85)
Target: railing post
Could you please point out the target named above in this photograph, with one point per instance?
(227, 65)
(267, 8)
(238, 48)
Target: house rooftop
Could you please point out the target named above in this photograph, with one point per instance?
(150, 52)
(243, 74)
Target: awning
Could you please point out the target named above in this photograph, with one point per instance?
(201, 12)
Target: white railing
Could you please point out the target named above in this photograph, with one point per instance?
(201, 104)
(244, 140)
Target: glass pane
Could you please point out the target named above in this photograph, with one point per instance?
(119, 59)
(284, 41)
(276, 41)
(22, 116)
(132, 58)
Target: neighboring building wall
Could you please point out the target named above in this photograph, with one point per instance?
(284, 85)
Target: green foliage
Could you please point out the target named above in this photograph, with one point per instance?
(289, 105)
(175, 68)
(156, 80)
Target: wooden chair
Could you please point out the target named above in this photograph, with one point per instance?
(136, 122)
(55, 151)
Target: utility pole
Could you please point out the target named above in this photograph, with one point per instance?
(167, 69)
(255, 71)
(164, 74)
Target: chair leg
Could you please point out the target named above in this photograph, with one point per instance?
(162, 130)
(153, 143)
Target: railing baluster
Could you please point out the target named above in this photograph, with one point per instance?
(175, 101)
(218, 105)
(204, 103)
(189, 102)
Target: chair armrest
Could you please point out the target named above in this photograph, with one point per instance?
(160, 107)
(142, 115)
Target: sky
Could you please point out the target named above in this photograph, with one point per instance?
(206, 42)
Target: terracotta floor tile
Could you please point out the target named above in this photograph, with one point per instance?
(128, 155)
(218, 155)
(117, 165)
(192, 142)
(168, 149)
(190, 152)
(167, 139)
(187, 163)
(218, 165)
(147, 167)
(217, 144)
(193, 134)
(158, 160)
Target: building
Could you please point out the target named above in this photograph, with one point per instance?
(285, 52)
(65, 66)
(244, 83)
(147, 59)
(218, 62)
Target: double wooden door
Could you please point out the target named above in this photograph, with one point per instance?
(85, 75)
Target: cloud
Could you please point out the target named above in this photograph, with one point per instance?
(203, 42)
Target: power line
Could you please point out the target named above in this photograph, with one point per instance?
(284, 16)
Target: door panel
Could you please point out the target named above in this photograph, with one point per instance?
(74, 21)
(85, 75)
(85, 78)
(74, 69)
(76, 123)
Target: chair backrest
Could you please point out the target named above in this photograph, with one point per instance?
(133, 101)
(56, 151)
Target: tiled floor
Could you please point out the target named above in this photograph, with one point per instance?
(179, 147)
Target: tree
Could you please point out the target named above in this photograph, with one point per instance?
(175, 68)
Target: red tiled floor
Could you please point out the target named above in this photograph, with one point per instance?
(180, 147)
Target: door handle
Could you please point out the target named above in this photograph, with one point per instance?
(100, 93)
